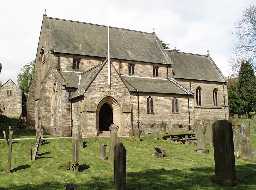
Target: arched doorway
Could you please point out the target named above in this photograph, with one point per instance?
(105, 117)
(108, 112)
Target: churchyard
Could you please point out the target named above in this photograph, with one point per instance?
(181, 168)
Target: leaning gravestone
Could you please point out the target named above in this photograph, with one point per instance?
(120, 167)
(225, 172)
(200, 129)
(114, 140)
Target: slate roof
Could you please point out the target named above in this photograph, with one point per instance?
(150, 85)
(85, 79)
(71, 79)
(81, 38)
(194, 66)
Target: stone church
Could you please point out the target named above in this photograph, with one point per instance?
(144, 86)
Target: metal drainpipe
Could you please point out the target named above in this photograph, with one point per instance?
(138, 110)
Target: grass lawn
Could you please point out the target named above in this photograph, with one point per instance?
(181, 169)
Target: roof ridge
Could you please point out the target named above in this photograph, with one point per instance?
(94, 67)
(178, 51)
(180, 86)
(101, 25)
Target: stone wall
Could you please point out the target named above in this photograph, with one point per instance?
(54, 106)
(163, 114)
(99, 92)
(140, 69)
(10, 103)
(207, 110)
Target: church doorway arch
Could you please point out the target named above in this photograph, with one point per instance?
(108, 112)
(105, 117)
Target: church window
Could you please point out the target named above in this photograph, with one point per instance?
(76, 62)
(175, 105)
(215, 97)
(155, 71)
(198, 96)
(150, 109)
(9, 93)
(42, 56)
(131, 69)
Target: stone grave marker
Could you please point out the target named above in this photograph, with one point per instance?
(103, 155)
(114, 140)
(200, 129)
(159, 152)
(225, 173)
(120, 167)
(9, 143)
(245, 143)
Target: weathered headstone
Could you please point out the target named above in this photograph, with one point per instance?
(70, 186)
(225, 172)
(75, 153)
(120, 167)
(114, 140)
(159, 152)
(200, 129)
(236, 125)
(103, 155)
(9, 143)
(245, 143)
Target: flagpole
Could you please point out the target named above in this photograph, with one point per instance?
(109, 67)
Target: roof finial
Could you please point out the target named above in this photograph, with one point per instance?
(208, 53)
(45, 12)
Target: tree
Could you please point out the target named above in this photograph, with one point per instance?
(165, 45)
(246, 32)
(26, 76)
(234, 100)
(246, 88)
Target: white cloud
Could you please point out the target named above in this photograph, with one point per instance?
(194, 25)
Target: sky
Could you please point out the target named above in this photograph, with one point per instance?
(188, 25)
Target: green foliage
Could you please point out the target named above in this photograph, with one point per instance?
(246, 87)
(234, 100)
(242, 90)
(26, 76)
(165, 45)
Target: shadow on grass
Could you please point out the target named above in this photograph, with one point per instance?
(22, 167)
(19, 129)
(161, 179)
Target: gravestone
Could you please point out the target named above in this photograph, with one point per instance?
(114, 140)
(159, 152)
(120, 167)
(75, 154)
(225, 172)
(103, 155)
(9, 143)
(245, 143)
(200, 129)
(236, 125)
(70, 186)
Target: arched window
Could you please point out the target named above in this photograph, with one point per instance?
(175, 105)
(150, 109)
(215, 97)
(198, 96)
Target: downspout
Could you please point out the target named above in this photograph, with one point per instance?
(138, 110)
(189, 114)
